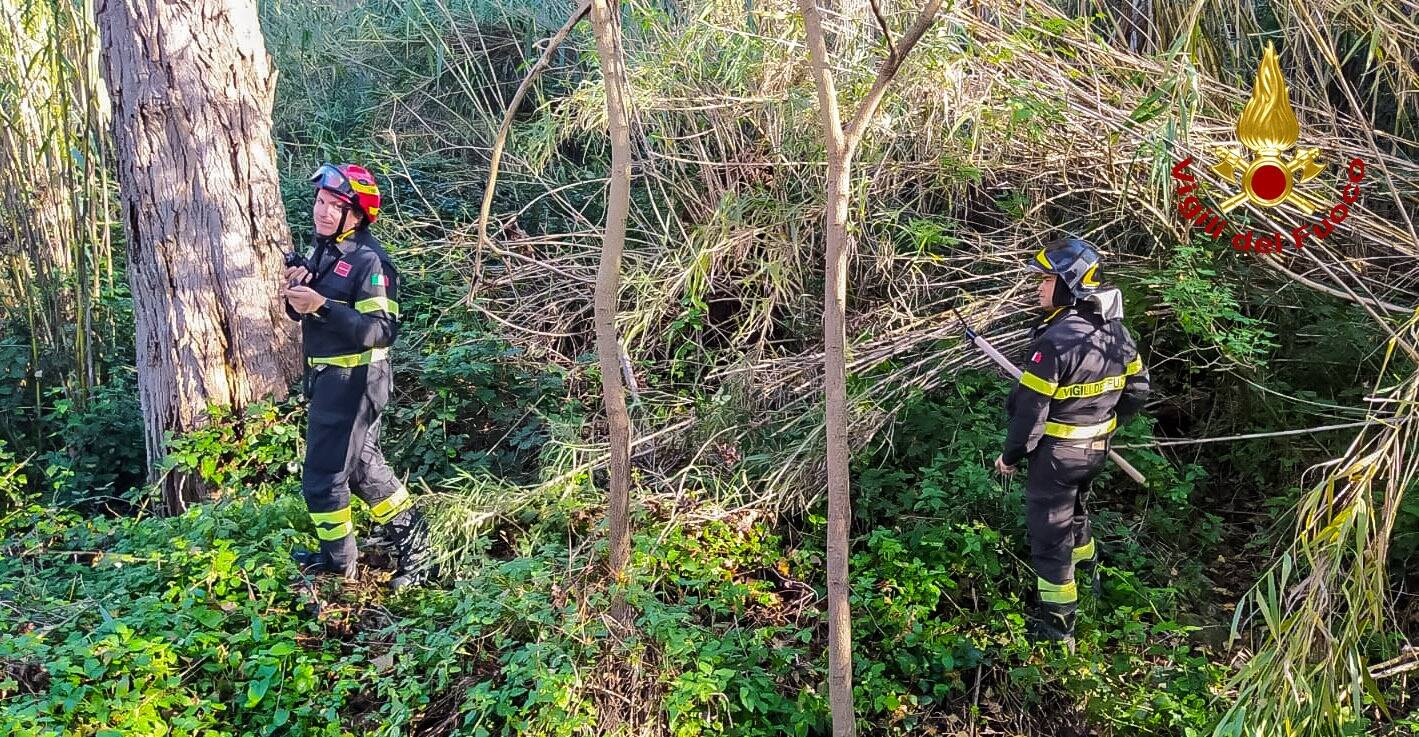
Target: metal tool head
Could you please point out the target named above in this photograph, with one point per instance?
(964, 325)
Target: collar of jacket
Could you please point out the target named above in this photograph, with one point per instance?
(1107, 303)
(1053, 316)
(345, 245)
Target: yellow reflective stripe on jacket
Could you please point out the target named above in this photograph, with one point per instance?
(1034, 382)
(386, 509)
(332, 525)
(1058, 593)
(378, 304)
(1106, 384)
(1079, 432)
(1092, 389)
(351, 360)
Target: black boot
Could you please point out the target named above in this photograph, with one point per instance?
(334, 556)
(408, 534)
(1051, 622)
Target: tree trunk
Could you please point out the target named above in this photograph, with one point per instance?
(840, 698)
(605, 19)
(192, 88)
(841, 146)
(839, 483)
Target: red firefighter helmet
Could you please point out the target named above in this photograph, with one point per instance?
(352, 183)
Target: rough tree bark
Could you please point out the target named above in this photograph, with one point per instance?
(605, 20)
(192, 88)
(841, 147)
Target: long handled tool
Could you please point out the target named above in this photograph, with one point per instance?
(1014, 372)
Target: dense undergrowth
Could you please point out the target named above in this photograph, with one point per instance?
(118, 622)
(200, 622)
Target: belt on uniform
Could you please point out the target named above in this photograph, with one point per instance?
(350, 360)
(1092, 444)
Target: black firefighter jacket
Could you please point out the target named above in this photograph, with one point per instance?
(1082, 375)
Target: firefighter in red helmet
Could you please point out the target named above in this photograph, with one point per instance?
(345, 294)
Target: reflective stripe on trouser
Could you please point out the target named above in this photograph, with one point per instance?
(1085, 552)
(342, 451)
(1057, 593)
(332, 525)
(1055, 496)
(387, 509)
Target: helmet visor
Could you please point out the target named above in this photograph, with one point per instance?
(329, 177)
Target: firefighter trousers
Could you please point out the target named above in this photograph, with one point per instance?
(1056, 513)
(343, 455)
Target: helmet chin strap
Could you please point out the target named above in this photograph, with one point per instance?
(341, 233)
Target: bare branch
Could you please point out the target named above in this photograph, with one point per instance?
(500, 142)
(822, 75)
(886, 72)
(1406, 662)
(886, 32)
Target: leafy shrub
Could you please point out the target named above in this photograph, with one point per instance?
(12, 479)
(99, 453)
(1206, 308)
(481, 406)
(262, 445)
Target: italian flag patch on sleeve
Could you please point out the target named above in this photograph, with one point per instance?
(377, 280)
